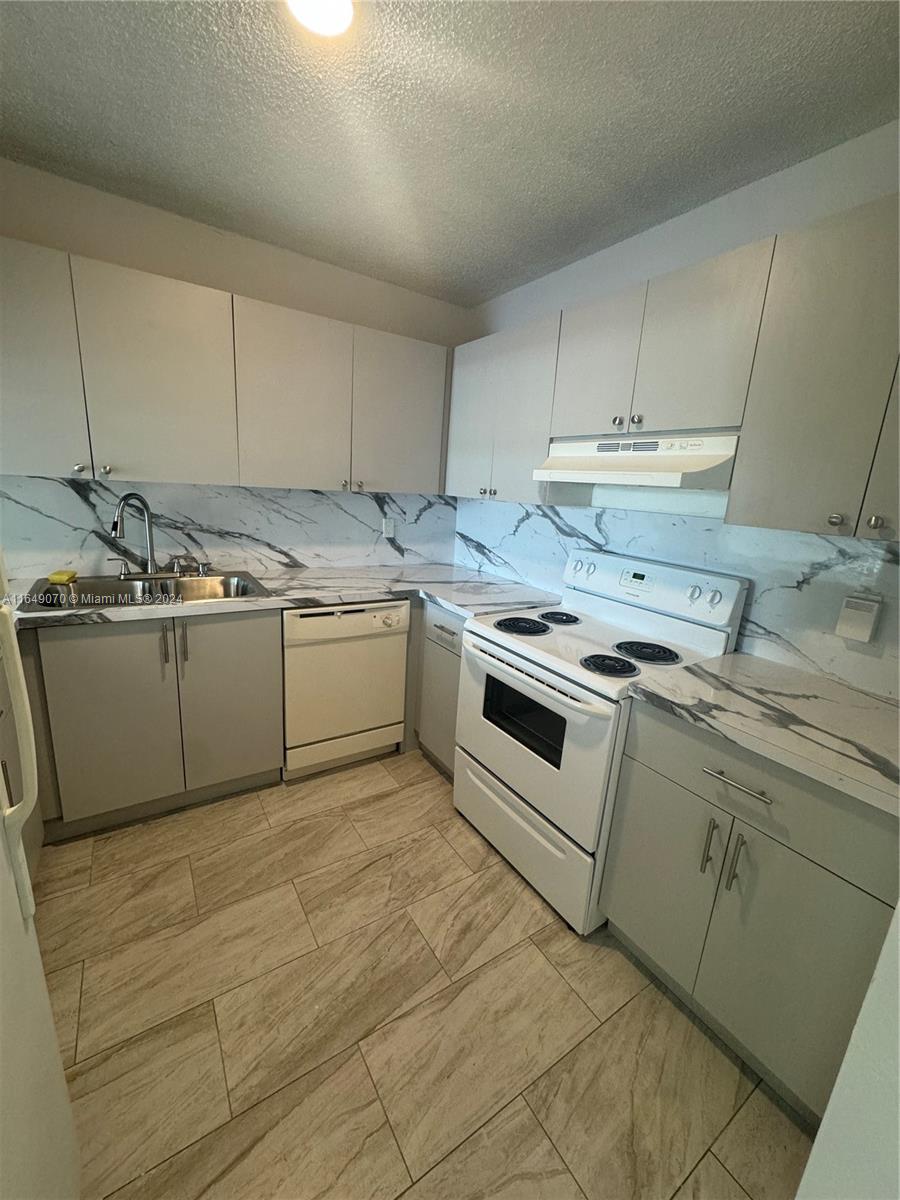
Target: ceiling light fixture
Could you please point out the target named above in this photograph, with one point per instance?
(326, 17)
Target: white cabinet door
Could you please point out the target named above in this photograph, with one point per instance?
(398, 412)
(523, 369)
(294, 376)
(826, 356)
(788, 957)
(880, 517)
(158, 359)
(598, 353)
(700, 330)
(470, 441)
(42, 415)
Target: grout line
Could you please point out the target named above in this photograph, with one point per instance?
(378, 1096)
(550, 1139)
(713, 1154)
(306, 916)
(212, 1005)
(74, 1061)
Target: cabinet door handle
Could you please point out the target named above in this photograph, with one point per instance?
(836, 519)
(443, 628)
(875, 522)
(740, 843)
(492, 491)
(184, 641)
(482, 491)
(7, 783)
(165, 641)
(706, 857)
(737, 786)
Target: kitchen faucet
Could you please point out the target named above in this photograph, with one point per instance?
(118, 525)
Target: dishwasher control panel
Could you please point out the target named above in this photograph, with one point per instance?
(344, 621)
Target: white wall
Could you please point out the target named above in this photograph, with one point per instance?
(849, 174)
(38, 207)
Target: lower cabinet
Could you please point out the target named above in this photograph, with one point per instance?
(149, 708)
(440, 684)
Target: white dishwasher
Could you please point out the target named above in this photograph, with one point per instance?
(344, 683)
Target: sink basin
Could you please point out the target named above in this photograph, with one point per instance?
(108, 591)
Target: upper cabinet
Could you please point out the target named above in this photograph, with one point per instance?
(42, 417)
(822, 376)
(294, 376)
(158, 362)
(879, 516)
(398, 412)
(598, 354)
(699, 335)
(501, 412)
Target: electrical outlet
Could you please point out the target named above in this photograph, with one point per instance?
(388, 526)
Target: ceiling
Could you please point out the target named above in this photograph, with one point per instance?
(457, 147)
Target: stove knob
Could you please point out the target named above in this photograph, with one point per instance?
(578, 566)
(714, 597)
(694, 592)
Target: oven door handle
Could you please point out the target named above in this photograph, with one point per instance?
(550, 695)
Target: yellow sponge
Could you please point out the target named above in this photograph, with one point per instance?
(62, 576)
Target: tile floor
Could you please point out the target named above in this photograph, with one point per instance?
(336, 989)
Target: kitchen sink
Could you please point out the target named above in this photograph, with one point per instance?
(109, 591)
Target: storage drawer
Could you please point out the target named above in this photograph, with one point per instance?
(557, 868)
(444, 627)
(850, 838)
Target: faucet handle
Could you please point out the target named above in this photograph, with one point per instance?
(204, 568)
(182, 564)
(125, 568)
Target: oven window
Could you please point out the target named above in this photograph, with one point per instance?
(530, 723)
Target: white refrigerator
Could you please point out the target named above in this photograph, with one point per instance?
(38, 1151)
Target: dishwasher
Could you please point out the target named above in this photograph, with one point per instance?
(344, 683)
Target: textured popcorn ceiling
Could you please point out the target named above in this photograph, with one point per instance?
(459, 148)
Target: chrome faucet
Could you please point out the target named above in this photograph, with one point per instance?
(118, 525)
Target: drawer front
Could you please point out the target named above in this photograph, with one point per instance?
(850, 838)
(444, 627)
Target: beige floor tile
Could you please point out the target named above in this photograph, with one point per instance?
(386, 818)
(291, 1020)
(710, 1181)
(165, 838)
(474, 920)
(376, 883)
(129, 989)
(260, 861)
(144, 1100)
(64, 987)
(598, 967)
(468, 843)
(634, 1107)
(509, 1158)
(455, 1060)
(64, 868)
(409, 768)
(289, 801)
(322, 1138)
(764, 1148)
(79, 924)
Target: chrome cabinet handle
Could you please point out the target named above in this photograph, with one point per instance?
(482, 491)
(106, 469)
(737, 786)
(836, 519)
(618, 422)
(637, 419)
(184, 641)
(740, 843)
(875, 522)
(492, 491)
(706, 857)
(443, 628)
(360, 485)
(345, 483)
(165, 641)
(79, 467)
(4, 768)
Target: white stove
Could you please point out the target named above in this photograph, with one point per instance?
(543, 706)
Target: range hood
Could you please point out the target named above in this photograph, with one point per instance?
(702, 463)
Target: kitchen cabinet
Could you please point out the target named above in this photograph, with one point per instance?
(880, 515)
(158, 362)
(294, 380)
(230, 682)
(112, 697)
(42, 414)
(398, 412)
(504, 402)
(595, 370)
(439, 689)
(790, 952)
(822, 375)
(698, 339)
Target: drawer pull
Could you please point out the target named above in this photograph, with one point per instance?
(706, 857)
(738, 786)
(443, 628)
(165, 642)
(739, 844)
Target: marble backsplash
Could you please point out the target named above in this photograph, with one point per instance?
(798, 580)
(49, 523)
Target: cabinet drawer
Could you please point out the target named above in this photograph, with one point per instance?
(850, 838)
(444, 627)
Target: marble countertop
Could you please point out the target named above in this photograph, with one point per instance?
(827, 730)
(459, 589)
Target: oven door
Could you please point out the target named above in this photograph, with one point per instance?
(550, 741)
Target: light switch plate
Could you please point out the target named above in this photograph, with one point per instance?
(859, 617)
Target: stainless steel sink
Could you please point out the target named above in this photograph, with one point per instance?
(109, 591)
